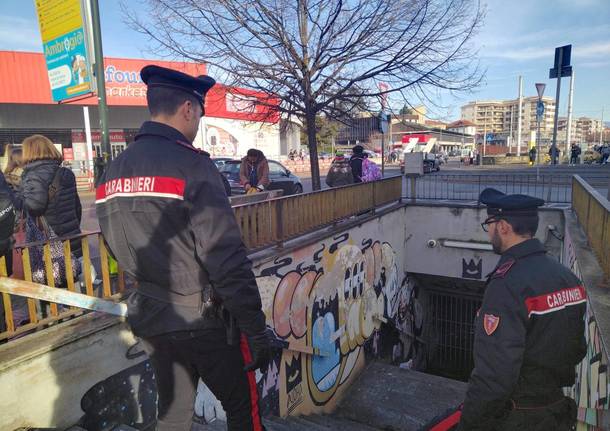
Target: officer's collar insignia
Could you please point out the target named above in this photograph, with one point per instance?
(490, 323)
(503, 269)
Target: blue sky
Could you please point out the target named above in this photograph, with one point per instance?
(518, 38)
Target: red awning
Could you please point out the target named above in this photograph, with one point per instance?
(23, 80)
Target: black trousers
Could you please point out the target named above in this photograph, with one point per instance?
(559, 416)
(179, 359)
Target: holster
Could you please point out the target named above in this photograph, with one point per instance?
(211, 307)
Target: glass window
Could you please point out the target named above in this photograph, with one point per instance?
(276, 169)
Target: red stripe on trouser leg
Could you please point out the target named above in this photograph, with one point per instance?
(256, 417)
(448, 423)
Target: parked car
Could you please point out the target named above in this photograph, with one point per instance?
(280, 177)
(220, 161)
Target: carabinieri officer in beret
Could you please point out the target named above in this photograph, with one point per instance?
(164, 213)
(529, 331)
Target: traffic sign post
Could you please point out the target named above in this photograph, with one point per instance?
(561, 68)
(539, 113)
(383, 128)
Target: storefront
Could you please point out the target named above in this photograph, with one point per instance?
(232, 124)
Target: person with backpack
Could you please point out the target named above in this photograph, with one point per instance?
(7, 225)
(532, 154)
(370, 171)
(340, 172)
(355, 162)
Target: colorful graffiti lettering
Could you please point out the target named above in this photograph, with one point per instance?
(333, 303)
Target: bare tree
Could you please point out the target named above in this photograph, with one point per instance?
(320, 56)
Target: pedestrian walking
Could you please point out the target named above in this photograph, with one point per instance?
(574, 154)
(554, 154)
(167, 220)
(605, 152)
(529, 331)
(340, 172)
(532, 154)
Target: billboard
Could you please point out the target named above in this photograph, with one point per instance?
(65, 49)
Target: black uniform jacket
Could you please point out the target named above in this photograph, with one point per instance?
(164, 212)
(529, 336)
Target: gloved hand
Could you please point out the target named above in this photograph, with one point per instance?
(260, 349)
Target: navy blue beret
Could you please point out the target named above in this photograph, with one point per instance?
(157, 76)
(499, 203)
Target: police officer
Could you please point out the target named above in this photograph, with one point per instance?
(164, 213)
(529, 331)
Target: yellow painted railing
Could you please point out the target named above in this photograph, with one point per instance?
(280, 219)
(40, 314)
(262, 224)
(593, 212)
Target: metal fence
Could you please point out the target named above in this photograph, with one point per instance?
(593, 212)
(468, 187)
(451, 318)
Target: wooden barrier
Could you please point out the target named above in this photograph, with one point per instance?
(280, 219)
(41, 314)
(593, 212)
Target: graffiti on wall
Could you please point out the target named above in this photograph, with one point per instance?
(592, 381)
(330, 300)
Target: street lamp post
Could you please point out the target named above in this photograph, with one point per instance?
(539, 112)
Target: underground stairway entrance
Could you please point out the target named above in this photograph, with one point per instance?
(388, 396)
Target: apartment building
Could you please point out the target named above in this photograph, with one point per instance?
(500, 116)
(583, 129)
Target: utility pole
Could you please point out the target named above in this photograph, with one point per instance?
(510, 137)
(519, 116)
(601, 132)
(101, 86)
(484, 139)
(569, 129)
(539, 114)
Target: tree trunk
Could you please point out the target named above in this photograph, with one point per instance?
(313, 149)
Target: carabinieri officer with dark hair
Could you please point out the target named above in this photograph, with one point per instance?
(529, 331)
(164, 213)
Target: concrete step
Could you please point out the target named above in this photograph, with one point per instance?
(388, 397)
(339, 424)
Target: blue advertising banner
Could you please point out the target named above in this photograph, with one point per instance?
(68, 67)
(65, 48)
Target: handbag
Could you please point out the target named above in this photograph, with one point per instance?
(38, 230)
